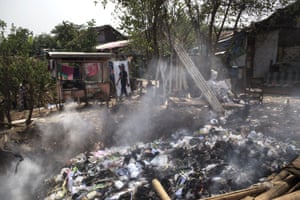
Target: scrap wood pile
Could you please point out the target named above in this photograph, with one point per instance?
(284, 185)
(188, 165)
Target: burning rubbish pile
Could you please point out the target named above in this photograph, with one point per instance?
(189, 165)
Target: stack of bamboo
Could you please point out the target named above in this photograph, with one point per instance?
(198, 78)
(282, 186)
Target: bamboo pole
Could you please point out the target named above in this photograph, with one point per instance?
(198, 78)
(282, 175)
(279, 188)
(239, 194)
(160, 190)
(290, 196)
(294, 188)
(248, 198)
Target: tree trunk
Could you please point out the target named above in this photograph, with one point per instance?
(2, 113)
(201, 40)
(30, 104)
(242, 8)
(7, 107)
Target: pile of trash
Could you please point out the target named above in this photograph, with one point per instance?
(189, 165)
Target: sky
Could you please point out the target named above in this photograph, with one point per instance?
(41, 16)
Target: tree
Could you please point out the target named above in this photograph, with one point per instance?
(33, 72)
(2, 27)
(5, 89)
(147, 23)
(41, 43)
(22, 59)
(73, 37)
(17, 65)
(18, 42)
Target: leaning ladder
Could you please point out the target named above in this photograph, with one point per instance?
(198, 78)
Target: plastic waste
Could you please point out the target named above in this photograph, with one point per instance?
(119, 184)
(214, 121)
(134, 170)
(93, 194)
(187, 165)
(160, 160)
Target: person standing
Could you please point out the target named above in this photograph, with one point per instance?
(123, 77)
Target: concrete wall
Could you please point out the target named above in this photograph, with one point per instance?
(266, 45)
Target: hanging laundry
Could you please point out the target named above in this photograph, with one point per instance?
(91, 69)
(67, 72)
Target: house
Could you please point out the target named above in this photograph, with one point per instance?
(81, 76)
(107, 33)
(269, 51)
(277, 48)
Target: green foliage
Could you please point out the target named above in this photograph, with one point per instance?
(72, 37)
(38, 79)
(18, 64)
(146, 22)
(41, 43)
(18, 42)
(198, 22)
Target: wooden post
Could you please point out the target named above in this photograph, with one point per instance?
(160, 190)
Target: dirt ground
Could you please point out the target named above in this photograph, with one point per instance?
(278, 116)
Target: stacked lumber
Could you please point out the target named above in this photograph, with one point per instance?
(282, 186)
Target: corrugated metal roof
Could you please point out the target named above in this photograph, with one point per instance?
(112, 45)
(78, 55)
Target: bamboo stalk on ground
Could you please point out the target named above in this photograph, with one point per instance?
(290, 196)
(294, 188)
(279, 188)
(248, 198)
(160, 190)
(282, 175)
(239, 194)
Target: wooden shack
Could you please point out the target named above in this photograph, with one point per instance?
(81, 76)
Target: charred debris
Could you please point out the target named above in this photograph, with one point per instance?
(189, 165)
(212, 161)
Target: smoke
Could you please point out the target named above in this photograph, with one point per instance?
(137, 125)
(140, 124)
(71, 131)
(62, 136)
(22, 185)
